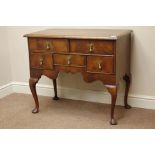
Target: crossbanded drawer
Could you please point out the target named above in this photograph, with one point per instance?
(100, 64)
(69, 60)
(41, 61)
(105, 47)
(48, 45)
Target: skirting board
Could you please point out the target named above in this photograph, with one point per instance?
(6, 90)
(140, 101)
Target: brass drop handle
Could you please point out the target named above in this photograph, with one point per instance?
(47, 45)
(69, 60)
(41, 60)
(99, 66)
(91, 47)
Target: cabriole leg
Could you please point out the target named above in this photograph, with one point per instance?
(32, 84)
(113, 91)
(55, 90)
(126, 78)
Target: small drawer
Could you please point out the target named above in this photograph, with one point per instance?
(48, 45)
(69, 60)
(105, 47)
(41, 61)
(100, 64)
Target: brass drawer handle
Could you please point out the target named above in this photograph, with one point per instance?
(69, 60)
(47, 45)
(91, 47)
(41, 60)
(99, 66)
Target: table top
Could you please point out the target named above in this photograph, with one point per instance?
(108, 34)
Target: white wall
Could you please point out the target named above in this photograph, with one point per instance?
(143, 61)
(19, 52)
(5, 67)
(142, 64)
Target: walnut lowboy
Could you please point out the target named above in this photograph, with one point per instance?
(97, 54)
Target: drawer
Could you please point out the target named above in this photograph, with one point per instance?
(51, 45)
(100, 64)
(41, 61)
(69, 60)
(92, 46)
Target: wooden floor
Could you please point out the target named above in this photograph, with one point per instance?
(15, 112)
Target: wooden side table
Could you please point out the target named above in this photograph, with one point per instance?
(97, 54)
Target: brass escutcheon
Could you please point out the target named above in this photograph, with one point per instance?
(47, 45)
(41, 61)
(91, 47)
(69, 60)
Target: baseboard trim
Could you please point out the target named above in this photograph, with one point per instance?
(5, 90)
(140, 101)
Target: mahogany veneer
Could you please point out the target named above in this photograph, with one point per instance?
(97, 54)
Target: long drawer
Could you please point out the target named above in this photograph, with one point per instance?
(48, 45)
(105, 47)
